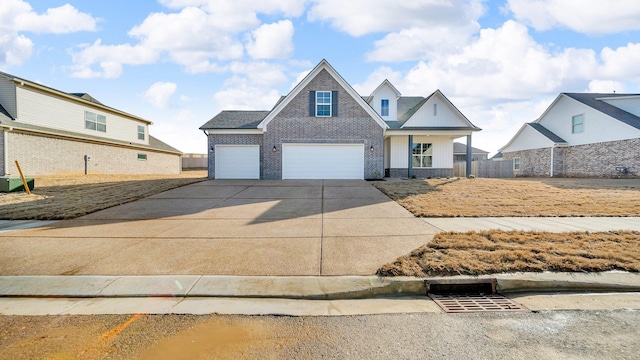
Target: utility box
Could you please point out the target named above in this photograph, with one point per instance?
(14, 184)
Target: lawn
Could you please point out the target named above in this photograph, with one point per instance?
(69, 196)
(516, 251)
(488, 252)
(515, 197)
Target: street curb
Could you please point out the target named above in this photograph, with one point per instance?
(304, 287)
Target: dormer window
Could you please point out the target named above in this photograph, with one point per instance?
(384, 107)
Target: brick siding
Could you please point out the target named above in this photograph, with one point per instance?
(229, 139)
(44, 155)
(353, 125)
(590, 160)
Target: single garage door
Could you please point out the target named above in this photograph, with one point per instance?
(237, 162)
(323, 161)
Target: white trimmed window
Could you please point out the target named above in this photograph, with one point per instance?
(93, 121)
(422, 155)
(384, 107)
(577, 124)
(323, 103)
(516, 164)
(140, 132)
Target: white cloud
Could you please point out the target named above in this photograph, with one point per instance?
(585, 16)
(621, 63)
(259, 73)
(361, 17)
(17, 16)
(159, 94)
(202, 34)
(606, 86)
(239, 94)
(110, 59)
(272, 41)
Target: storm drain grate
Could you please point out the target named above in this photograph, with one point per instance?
(475, 303)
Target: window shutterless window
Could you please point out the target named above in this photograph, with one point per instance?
(384, 107)
(142, 156)
(140, 132)
(516, 163)
(577, 123)
(422, 155)
(93, 121)
(323, 103)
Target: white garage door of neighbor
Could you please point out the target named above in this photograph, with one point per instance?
(237, 162)
(323, 161)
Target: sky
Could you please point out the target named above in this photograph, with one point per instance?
(178, 63)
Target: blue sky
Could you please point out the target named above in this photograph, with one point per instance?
(179, 62)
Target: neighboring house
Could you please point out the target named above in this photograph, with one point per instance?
(323, 129)
(460, 153)
(49, 131)
(580, 134)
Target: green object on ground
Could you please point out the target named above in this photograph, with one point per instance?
(14, 184)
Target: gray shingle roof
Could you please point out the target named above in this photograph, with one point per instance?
(460, 148)
(591, 100)
(408, 105)
(4, 114)
(87, 97)
(236, 119)
(546, 132)
(154, 143)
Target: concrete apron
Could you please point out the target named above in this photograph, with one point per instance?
(296, 296)
(254, 228)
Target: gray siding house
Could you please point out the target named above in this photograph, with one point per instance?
(323, 129)
(580, 134)
(49, 131)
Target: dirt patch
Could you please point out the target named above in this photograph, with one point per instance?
(515, 197)
(69, 196)
(489, 252)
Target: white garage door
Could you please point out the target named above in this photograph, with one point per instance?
(323, 161)
(237, 162)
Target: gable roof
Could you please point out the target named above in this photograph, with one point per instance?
(235, 119)
(546, 132)
(323, 65)
(553, 138)
(594, 101)
(460, 148)
(77, 97)
(407, 108)
(389, 84)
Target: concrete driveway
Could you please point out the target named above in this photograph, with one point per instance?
(226, 227)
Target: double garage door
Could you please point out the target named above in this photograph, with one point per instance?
(299, 161)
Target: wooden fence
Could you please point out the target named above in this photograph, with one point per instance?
(194, 161)
(485, 169)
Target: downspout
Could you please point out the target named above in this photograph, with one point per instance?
(410, 158)
(5, 135)
(469, 157)
(551, 167)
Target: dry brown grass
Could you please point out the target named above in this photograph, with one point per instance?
(516, 197)
(69, 196)
(489, 252)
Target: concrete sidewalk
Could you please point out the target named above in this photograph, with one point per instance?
(54, 295)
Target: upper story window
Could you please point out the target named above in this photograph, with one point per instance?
(323, 103)
(577, 123)
(93, 121)
(435, 109)
(384, 107)
(140, 132)
(422, 155)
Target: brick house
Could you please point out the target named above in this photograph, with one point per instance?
(323, 129)
(580, 134)
(49, 131)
